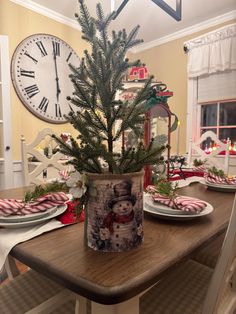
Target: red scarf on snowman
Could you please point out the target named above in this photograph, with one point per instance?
(113, 217)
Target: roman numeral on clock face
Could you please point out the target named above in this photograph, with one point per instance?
(56, 48)
(32, 90)
(58, 110)
(27, 73)
(41, 48)
(44, 104)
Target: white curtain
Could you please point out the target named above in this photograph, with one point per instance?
(217, 86)
(213, 52)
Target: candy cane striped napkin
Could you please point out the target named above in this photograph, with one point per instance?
(211, 178)
(187, 204)
(201, 168)
(64, 174)
(18, 207)
(184, 203)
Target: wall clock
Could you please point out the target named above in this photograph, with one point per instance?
(40, 75)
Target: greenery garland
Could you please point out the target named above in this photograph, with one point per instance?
(217, 172)
(167, 188)
(43, 189)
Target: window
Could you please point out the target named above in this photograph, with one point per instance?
(219, 117)
(212, 76)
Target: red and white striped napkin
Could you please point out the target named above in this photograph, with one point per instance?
(18, 207)
(201, 168)
(64, 174)
(211, 178)
(184, 203)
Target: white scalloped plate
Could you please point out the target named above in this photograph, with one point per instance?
(14, 225)
(22, 218)
(165, 212)
(220, 187)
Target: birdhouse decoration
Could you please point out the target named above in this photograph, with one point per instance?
(137, 73)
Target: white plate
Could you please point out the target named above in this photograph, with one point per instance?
(14, 225)
(220, 187)
(165, 212)
(150, 204)
(22, 218)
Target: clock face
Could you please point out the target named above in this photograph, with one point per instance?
(40, 75)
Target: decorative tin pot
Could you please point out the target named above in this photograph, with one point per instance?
(114, 212)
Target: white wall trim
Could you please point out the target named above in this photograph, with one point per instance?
(28, 4)
(187, 31)
(17, 166)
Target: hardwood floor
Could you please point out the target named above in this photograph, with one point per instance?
(22, 267)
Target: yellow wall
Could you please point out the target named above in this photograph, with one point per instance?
(17, 22)
(168, 63)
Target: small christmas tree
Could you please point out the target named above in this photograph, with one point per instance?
(96, 83)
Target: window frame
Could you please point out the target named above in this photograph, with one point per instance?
(194, 113)
(218, 126)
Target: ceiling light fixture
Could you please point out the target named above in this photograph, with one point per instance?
(176, 14)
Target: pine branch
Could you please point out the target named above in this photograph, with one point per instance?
(85, 21)
(217, 172)
(96, 83)
(167, 189)
(146, 157)
(41, 190)
(124, 157)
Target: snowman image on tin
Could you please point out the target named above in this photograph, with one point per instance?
(124, 230)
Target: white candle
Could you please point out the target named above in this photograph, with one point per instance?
(177, 138)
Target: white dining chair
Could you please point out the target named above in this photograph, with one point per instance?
(33, 293)
(192, 287)
(209, 254)
(195, 151)
(35, 175)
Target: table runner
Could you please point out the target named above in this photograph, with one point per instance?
(11, 237)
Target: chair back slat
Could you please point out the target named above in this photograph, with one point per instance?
(195, 150)
(44, 162)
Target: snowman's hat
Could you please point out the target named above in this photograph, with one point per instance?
(122, 192)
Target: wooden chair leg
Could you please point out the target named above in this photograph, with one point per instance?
(11, 268)
(81, 305)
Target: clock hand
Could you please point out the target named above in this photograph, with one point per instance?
(56, 71)
(58, 88)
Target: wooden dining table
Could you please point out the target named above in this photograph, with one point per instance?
(114, 281)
